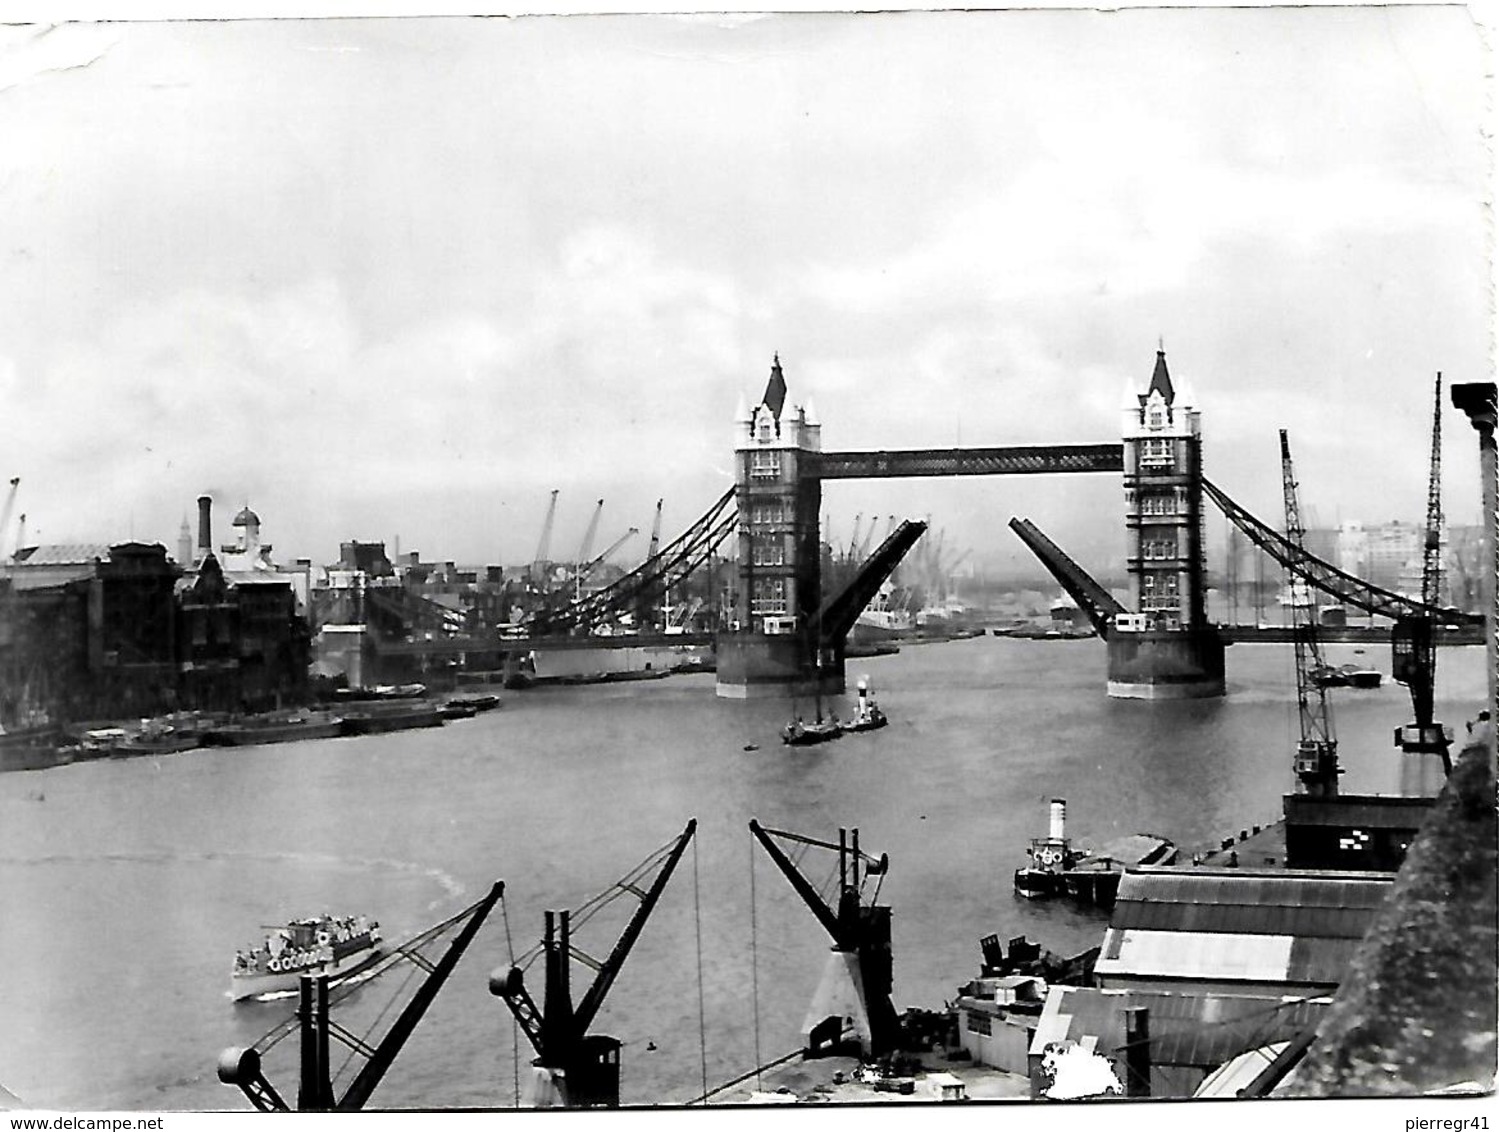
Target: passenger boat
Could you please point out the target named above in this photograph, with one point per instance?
(867, 713)
(338, 946)
(277, 727)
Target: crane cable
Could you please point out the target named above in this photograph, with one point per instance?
(514, 1022)
(754, 964)
(697, 917)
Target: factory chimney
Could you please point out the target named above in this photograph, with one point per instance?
(205, 524)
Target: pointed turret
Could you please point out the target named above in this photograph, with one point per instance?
(1160, 381)
(775, 389)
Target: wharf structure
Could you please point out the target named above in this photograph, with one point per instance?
(98, 631)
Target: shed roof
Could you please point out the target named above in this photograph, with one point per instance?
(1186, 1029)
(62, 554)
(1225, 957)
(1281, 887)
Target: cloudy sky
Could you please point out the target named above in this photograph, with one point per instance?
(388, 278)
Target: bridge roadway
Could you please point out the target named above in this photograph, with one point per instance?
(457, 646)
(1029, 459)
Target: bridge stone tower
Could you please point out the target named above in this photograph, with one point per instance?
(1169, 649)
(768, 650)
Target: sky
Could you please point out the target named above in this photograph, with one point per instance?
(400, 279)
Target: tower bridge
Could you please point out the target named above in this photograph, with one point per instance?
(783, 634)
(778, 637)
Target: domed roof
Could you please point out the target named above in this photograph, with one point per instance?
(246, 518)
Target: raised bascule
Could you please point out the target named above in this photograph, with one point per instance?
(782, 636)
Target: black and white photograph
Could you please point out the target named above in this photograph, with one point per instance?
(749, 561)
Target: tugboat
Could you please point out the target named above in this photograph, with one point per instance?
(1051, 857)
(327, 945)
(1088, 876)
(867, 713)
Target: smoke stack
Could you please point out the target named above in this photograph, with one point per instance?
(205, 523)
(1058, 819)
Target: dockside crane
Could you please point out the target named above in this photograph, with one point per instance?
(544, 544)
(593, 527)
(1316, 761)
(242, 1067)
(586, 549)
(852, 1005)
(853, 538)
(1413, 639)
(576, 1069)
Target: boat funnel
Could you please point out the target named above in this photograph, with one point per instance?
(1058, 819)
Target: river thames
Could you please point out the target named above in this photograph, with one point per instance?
(129, 884)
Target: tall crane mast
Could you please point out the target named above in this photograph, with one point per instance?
(1413, 640)
(655, 547)
(579, 564)
(576, 1069)
(588, 535)
(1317, 751)
(544, 544)
(852, 1004)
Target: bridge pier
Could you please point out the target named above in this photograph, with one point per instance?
(1180, 664)
(1168, 650)
(757, 666)
(770, 650)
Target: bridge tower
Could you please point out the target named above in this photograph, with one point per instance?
(769, 649)
(1169, 649)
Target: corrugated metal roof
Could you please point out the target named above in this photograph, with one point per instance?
(1321, 960)
(62, 554)
(1244, 919)
(1229, 886)
(1220, 957)
(1194, 955)
(1186, 1029)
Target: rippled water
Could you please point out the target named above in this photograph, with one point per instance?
(129, 885)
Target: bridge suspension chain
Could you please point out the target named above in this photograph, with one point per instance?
(1328, 578)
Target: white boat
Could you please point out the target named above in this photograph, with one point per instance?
(338, 946)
